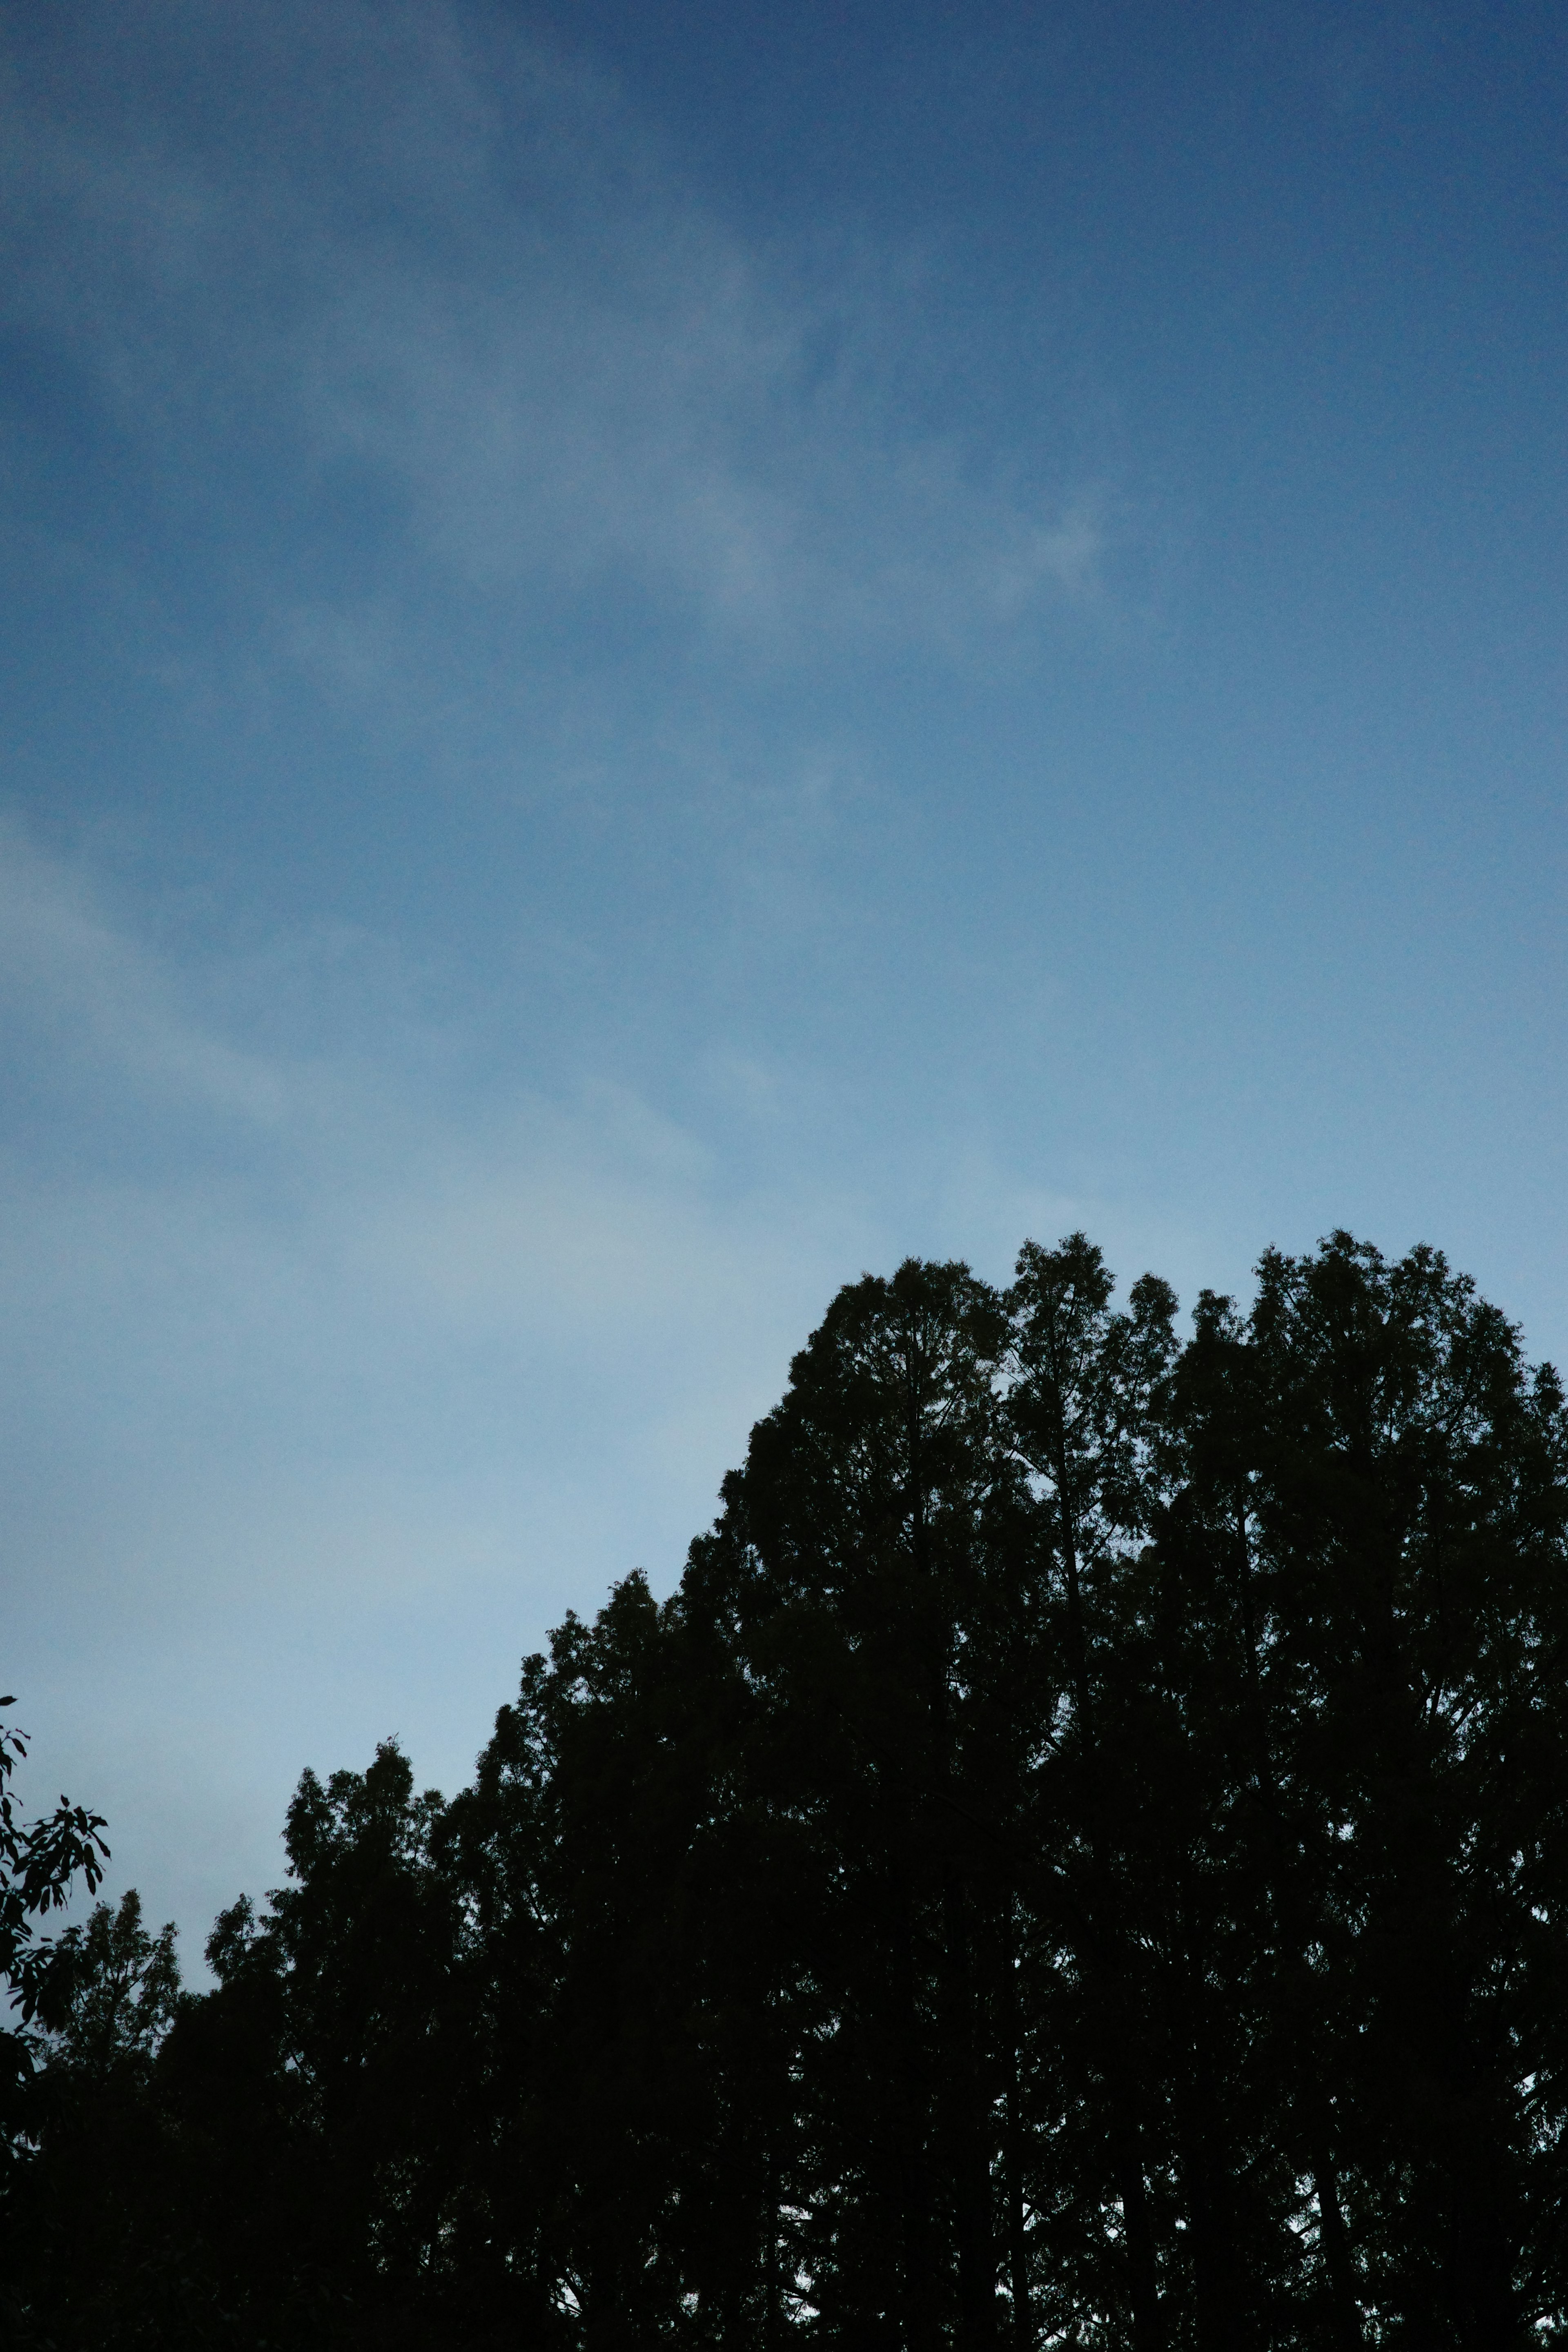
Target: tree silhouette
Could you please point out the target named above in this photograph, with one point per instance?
(1078, 1860)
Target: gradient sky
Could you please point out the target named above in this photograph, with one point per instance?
(656, 651)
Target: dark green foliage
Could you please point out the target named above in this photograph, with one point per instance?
(1078, 1862)
(39, 1866)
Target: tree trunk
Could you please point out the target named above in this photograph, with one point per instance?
(1336, 2244)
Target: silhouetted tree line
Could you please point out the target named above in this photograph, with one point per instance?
(1080, 1860)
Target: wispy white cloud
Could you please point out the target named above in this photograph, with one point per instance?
(97, 997)
(489, 1213)
(495, 297)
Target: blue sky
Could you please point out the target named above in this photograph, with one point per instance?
(658, 653)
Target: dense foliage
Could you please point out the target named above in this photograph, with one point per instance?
(1082, 1859)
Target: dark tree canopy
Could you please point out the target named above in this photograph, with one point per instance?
(1081, 1860)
